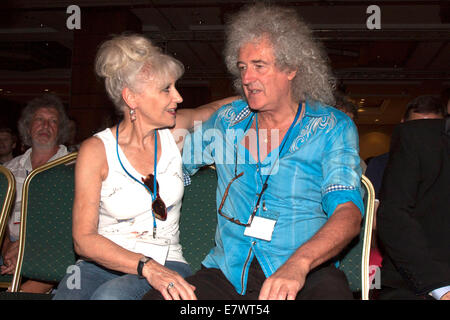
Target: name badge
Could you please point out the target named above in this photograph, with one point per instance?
(261, 228)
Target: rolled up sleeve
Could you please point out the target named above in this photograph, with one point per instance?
(341, 168)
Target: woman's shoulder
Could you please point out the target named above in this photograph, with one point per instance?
(92, 147)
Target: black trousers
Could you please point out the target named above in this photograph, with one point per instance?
(323, 282)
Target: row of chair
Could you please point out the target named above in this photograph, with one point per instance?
(46, 247)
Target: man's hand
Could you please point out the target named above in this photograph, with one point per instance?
(334, 235)
(284, 284)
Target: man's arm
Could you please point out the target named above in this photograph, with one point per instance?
(335, 234)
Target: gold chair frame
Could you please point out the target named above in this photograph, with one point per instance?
(9, 199)
(6, 207)
(365, 267)
(67, 159)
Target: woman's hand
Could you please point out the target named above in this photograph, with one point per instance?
(160, 277)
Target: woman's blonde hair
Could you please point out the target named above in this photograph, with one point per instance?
(128, 61)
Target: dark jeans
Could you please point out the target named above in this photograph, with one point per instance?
(323, 282)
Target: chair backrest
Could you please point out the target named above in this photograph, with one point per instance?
(198, 219)
(354, 260)
(45, 243)
(7, 193)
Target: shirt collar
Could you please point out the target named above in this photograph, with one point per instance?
(312, 109)
(25, 160)
(315, 109)
(242, 115)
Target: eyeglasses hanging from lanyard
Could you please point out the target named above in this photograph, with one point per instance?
(159, 210)
(265, 185)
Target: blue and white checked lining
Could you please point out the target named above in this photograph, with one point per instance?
(186, 179)
(242, 115)
(338, 187)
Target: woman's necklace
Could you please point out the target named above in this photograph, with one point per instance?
(153, 194)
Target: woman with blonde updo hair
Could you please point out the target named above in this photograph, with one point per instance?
(129, 181)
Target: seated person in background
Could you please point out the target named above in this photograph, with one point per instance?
(288, 193)
(346, 106)
(129, 181)
(8, 142)
(413, 216)
(42, 126)
(423, 107)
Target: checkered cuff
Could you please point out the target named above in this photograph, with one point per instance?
(338, 187)
(186, 179)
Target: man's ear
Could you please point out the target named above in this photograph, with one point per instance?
(129, 97)
(291, 74)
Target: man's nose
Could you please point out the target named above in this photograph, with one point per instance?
(46, 123)
(247, 76)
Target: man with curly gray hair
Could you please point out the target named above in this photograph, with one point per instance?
(290, 200)
(42, 126)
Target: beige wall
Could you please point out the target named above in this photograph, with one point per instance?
(374, 140)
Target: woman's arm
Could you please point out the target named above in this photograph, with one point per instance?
(90, 171)
(186, 118)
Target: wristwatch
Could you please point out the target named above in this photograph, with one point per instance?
(142, 262)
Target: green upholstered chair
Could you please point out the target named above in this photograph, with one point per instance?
(7, 193)
(45, 244)
(354, 260)
(199, 217)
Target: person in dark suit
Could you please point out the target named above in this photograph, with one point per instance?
(413, 217)
(422, 107)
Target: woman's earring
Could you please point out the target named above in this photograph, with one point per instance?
(132, 115)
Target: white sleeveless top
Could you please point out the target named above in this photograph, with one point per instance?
(125, 215)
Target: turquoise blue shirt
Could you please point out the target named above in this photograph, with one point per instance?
(317, 170)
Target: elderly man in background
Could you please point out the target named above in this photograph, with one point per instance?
(42, 126)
